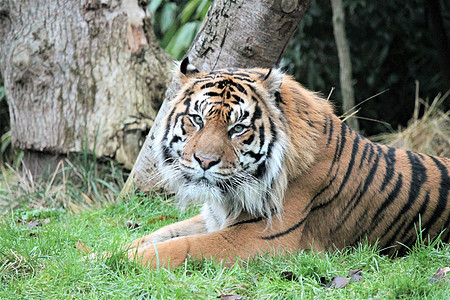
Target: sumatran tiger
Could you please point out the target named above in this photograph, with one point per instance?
(276, 171)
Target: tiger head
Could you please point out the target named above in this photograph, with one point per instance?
(224, 140)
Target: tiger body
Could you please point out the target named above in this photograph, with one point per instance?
(277, 170)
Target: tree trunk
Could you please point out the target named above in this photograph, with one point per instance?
(345, 64)
(81, 73)
(240, 33)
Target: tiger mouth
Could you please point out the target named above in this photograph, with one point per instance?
(202, 181)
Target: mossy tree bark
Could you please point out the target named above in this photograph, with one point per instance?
(241, 33)
(81, 72)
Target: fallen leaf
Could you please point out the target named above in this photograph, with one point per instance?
(232, 289)
(230, 297)
(339, 282)
(82, 247)
(162, 218)
(46, 221)
(355, 275)
(33, 224)
(440, 274)
(289, 276)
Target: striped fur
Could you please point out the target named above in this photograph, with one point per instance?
(277, 171)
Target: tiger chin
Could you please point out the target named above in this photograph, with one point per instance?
(277, 171)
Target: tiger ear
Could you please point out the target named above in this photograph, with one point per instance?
(272, 80)
(186, 68)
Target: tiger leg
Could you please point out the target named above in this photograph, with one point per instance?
(224, 245)
(192, 226)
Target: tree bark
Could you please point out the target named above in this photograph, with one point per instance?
(345, 64)
(234, 33)
(81, 72)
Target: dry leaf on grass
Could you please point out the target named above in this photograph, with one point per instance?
(34, 223)
(82, 247)
(340, 282)
(162, 218)
(355, 275)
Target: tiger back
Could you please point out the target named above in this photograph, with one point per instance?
(276, 170)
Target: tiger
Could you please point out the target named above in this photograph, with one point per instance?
(276, 171)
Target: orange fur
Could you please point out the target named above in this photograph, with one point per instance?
(335, 187)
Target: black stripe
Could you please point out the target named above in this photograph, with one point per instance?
(326, 187)
(343, 138)
(389, 200)
(330, 135)
(418, 178)
(254, 155)
(207, 85)
(229, 241)
(278, 99)
(390, 167)
(372, 152)
(249, 140)
(348, 211)
(347, 173)
(168, 158)
(335, 158)
(273, 140)
(363, 156)
(280, 234)
(240, 88)
(238, 99)
(262, 135)
(371, 176)
(421, 213)
(212, 94)
(169, 121)
(174, 140)
(244, 115)
(443, 195)
(254, 220)
(256, 115)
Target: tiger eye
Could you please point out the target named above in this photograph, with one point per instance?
(198, 120)
(237, 129)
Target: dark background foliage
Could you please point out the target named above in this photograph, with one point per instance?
(391, 48)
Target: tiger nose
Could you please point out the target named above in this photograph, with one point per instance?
(206, 161)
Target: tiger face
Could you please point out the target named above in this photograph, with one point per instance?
(224, 141)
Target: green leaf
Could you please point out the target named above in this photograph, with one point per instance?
(168, 16)
(5, 141)
(188, 10)
(108, 185)
(202, 9)
(182, 39)
(154, 5)
(2, 93)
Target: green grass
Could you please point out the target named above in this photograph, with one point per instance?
(43, 262)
